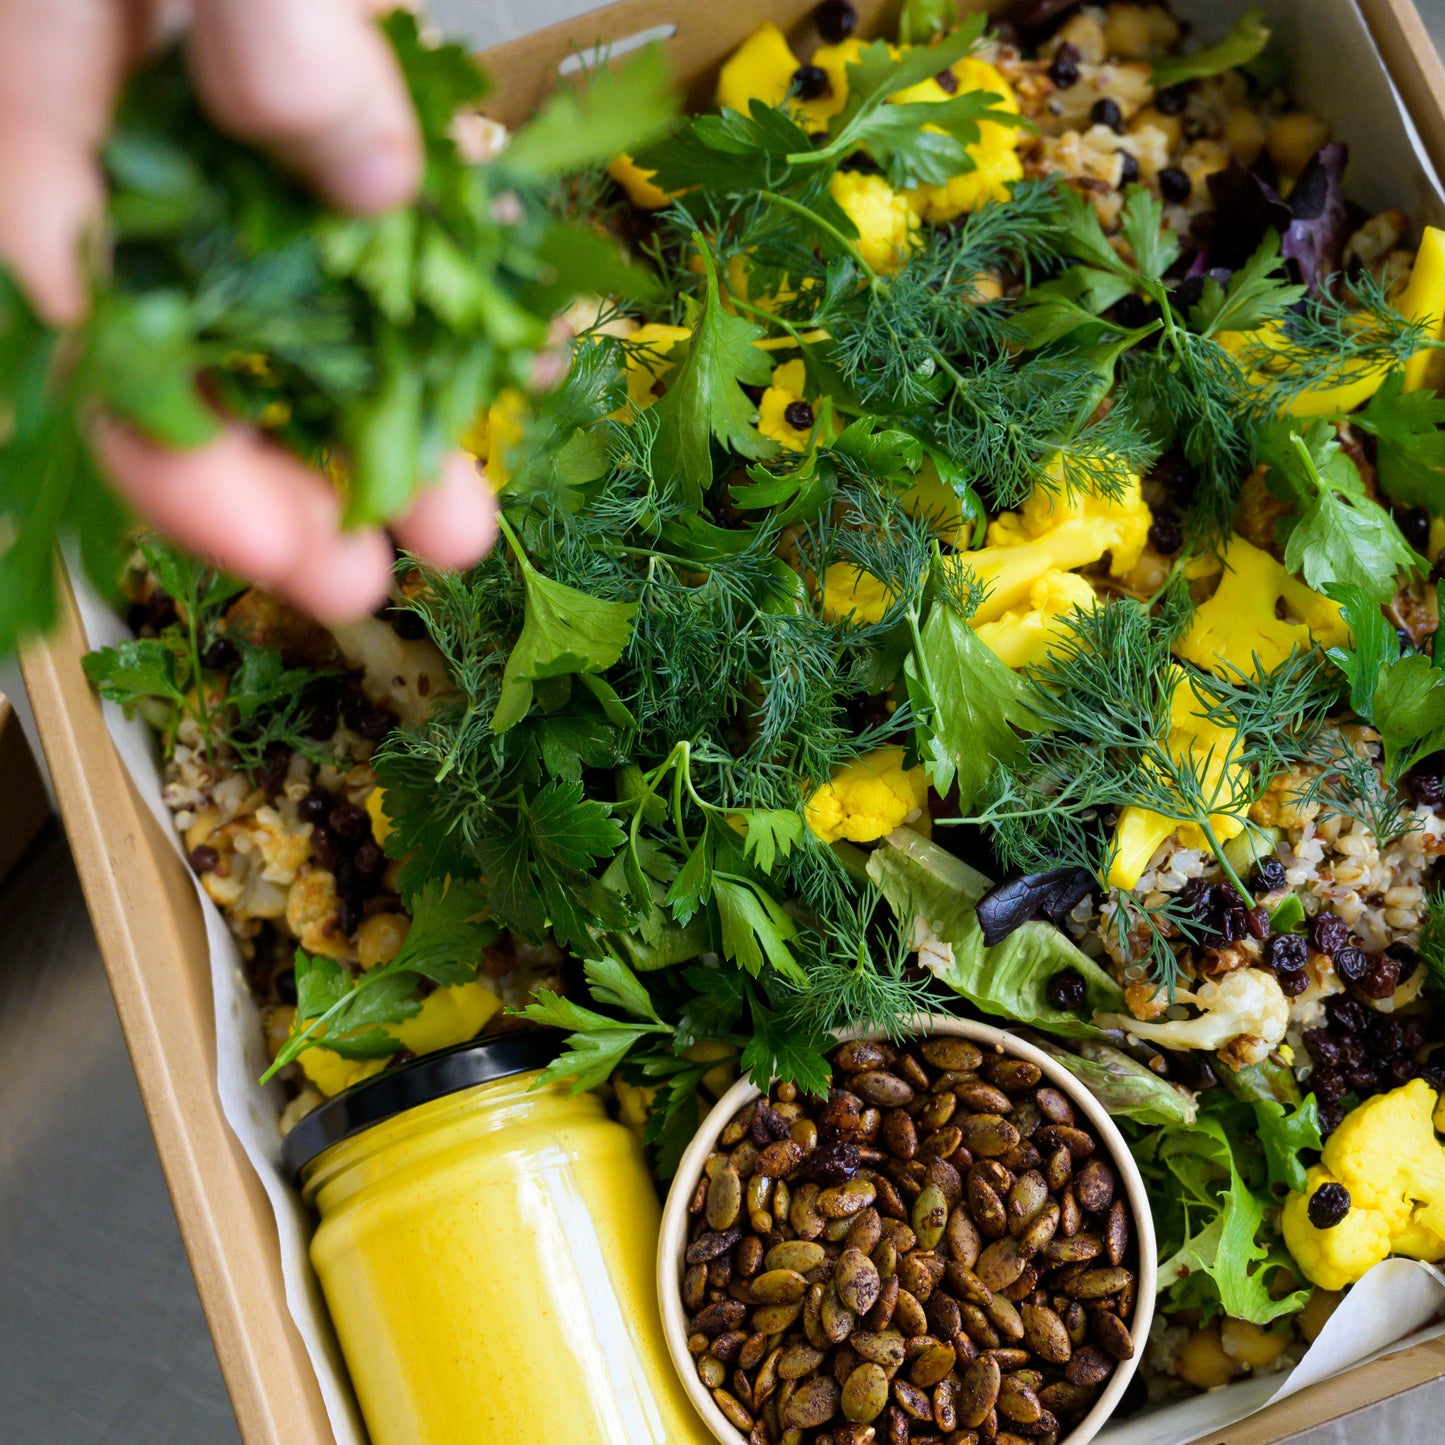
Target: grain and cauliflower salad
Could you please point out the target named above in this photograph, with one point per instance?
(985, 556)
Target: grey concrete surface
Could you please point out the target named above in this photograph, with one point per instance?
(102, 1340)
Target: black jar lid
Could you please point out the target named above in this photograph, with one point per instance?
(432, 1076)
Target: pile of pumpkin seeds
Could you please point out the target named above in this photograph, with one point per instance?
(938, 1252)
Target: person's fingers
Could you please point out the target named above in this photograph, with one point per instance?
(60, 66)
(452, 523)
(316, 83)
(258, 511)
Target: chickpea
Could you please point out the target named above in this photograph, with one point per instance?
(1315, 1315)
(1294, 138)
(1244, 134)
(1248, 1344)
(380, 937)
(1202, 1361)
(1139, 32)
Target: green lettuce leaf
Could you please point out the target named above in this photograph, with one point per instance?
(933, 894)
(1243, 43)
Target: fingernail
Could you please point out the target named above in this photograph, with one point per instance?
(377, 176)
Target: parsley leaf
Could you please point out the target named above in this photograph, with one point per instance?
(917, 142)
(565, 631)
(1411, 450)
(1339, 533)
(348, 1014)
(1258, 292)
(704, 396)
(621, 107)
(1375, 645)
(777, 1051)
(967, 706)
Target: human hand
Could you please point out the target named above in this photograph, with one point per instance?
(315, 84)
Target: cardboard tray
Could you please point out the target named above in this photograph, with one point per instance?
(148, 921)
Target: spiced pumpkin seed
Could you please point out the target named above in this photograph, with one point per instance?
(946, 1052)
(800, 1255)
(882, 1089)
(857, 1281)
(978, 1391)
(865, 1394)
(930, 1215)
(886, 1350)
(779, 1287)
(1044, 1333)
(814, 1403)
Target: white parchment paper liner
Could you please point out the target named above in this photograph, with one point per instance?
(1332, 57)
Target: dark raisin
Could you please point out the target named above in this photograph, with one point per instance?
(1324, 1049)
(799, 415)
(832, 1163)
(1198, 897)
(1424, 789)
(1412, 1034)
(1382, 977)
(1331, 1116)
(323, 847)
(1232, 922)
(1407, 958)
(836, 20)
(1188, 294)
(1066, 990)
(285, 985)
(1133, 312)
(318, 717)
(1287, 953)
(1172, 99)
(1064, 69)
(1363, 1080)
(275, 764)
(348, 915)
(204, 858)
(1128, 169)
(1175, 185)
(1414, 525)
(1292, 985)
(314, 806)
(1257, 921)
(375, 723)
(810, 82)
(220, 654)
(768, 1126)
(370, 861)
(160, 610)
(1384, 1036)
(1434, 1075)
(1269, 876)
(1328, 1205)
(1329, 932)
(1352, 1051)
(1400, 1071)
(1107, 112)
(1351, 964)
(1166, 536)
(947, 82)
(348, 822)
(407, 625)
(1328, 1085)
(1347, 1014)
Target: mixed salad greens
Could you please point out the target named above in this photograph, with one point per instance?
(833, 660)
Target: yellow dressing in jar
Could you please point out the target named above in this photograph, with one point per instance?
(487, 1253)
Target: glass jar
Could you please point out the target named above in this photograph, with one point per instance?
(487, 1253)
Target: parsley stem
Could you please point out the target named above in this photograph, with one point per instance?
(795, 332)
(828, 229)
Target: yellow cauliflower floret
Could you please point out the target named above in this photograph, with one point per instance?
(446, 1017)
(638, 183)
(1211, 750)
(1021, 637)
(376, 811)
(761, 68)
(1386, 1155)
(788, 384)
(886, 220)
(311, 904)
(1241, 619)
(1051, 532)
(995, 154)
(495, 433)
(868, 799)
(648, 361)
(833, 61)
(849, 591)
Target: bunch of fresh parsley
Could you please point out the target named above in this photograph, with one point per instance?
(369, 343)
